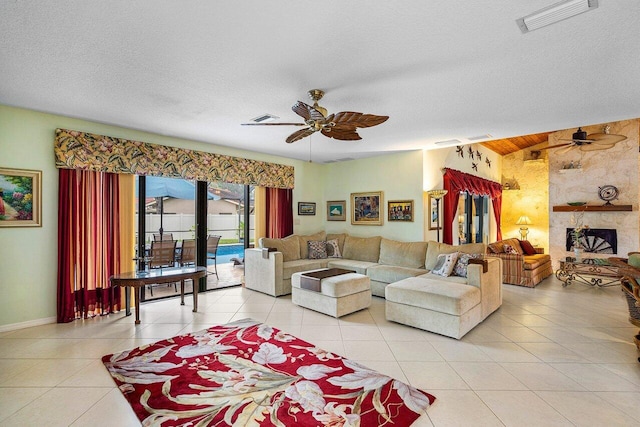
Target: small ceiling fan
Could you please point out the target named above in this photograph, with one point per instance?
(591, 142)
(340, 126)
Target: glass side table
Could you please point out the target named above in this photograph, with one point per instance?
(597, 272)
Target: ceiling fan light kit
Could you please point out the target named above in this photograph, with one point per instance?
(555, 13)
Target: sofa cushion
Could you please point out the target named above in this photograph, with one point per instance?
(289, 246)
(317, 249)
(290, 267)
(339, 237)
(351, 264)
(403, 254)
(392, 273)
(333, 249)
(304, 251)
(362, 248)
(445, 264)
(527, 247)
(463, 263)
(498, 247)
(437, 295)
(451, 279)
(531, 262)
(434, 249)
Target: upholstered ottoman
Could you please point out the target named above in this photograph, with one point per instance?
(338, 295)
(439, 306)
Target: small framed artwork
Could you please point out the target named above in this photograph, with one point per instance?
(367, 208)
(336, 210)
(400, 210)
(306, 208)
(20, 198)
(432, 206)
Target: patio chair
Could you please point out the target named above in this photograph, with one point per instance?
(188, 252)
(163, 236)
(162, 255)
(212, 251)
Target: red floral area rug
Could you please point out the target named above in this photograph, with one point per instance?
(247, 373)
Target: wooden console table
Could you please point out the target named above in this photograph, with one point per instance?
(138, 279)
(590, 271)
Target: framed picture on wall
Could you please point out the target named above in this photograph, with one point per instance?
(367, 208)
(20, 198)
(306, 208)
(336, 210)
(433, 212)
(400, 210)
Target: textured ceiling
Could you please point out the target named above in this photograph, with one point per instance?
(440, 69)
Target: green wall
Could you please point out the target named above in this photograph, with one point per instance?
(28, 256)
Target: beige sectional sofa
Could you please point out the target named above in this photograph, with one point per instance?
(400, 271)
(383, 260)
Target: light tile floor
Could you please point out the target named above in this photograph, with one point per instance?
(550, 356)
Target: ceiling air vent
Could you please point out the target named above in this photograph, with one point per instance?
(266, 117)
(448, 143)
(479, 137)
(555, 13)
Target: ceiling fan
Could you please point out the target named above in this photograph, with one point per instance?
(340, 126)
(591, 142)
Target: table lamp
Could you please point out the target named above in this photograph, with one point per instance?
(437, 195)
(523, 220)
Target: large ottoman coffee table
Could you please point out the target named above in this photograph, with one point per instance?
(334, 292)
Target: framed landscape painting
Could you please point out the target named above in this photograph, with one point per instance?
(400, 210)
(306, 208)
(367, 208)
(20, 198)
(336, 210)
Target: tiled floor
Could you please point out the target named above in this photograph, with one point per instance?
(550, 356)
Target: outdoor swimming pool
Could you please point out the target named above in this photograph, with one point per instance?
(226, 252)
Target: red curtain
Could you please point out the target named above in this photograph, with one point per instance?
(88, 243)
(279, 212)
(455, 182)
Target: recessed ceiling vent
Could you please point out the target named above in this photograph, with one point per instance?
(480, 137)
(555, 13)
(266, 117)
(448, 143)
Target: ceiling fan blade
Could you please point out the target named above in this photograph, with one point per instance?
(566, 149)
(577, 140)
(306, 111)
(343, 133)
(274, 124)
(360, 120)
(595, 147)
(606, 138)
(299, 134)
(556, 146)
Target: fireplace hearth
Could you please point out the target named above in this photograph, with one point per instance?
(595, 240)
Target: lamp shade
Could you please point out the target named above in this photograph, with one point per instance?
(523, 220)
(437, 194)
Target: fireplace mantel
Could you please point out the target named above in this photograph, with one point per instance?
(594, 208)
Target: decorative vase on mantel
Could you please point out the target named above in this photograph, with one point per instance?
(577, 252)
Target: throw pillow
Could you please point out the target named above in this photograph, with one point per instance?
(463, 263)
(444, 264)
(508, 249)
(333, 249)
(317, 249)
(496, 248)
(527, 247)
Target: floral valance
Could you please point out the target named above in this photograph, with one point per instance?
(81, 150)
